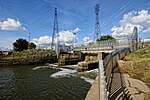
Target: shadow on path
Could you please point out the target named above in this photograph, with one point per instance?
(117, 89)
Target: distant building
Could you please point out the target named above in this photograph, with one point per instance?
(65, 48)
(5, 52)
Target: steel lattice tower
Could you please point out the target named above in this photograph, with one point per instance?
(97, 33)
(55, 34)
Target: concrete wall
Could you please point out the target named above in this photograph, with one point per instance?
(70, 58)
(109, 63)
(90, 62)
(106, 64)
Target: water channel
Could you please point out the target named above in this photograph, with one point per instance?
(44, 83)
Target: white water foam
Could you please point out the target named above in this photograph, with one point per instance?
(89, 80)
(63, 73)
(40, 67)
(92, 71)
(53, 65)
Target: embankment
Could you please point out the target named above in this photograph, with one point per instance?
(29, 57)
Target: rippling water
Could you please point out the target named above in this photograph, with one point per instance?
(37, 83)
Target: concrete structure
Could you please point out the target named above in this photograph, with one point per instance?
(5, 53)
(106, 65)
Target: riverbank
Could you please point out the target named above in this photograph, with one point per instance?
(29, 57)
(137, 88)
(137, 66)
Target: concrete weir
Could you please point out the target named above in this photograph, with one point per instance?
(66, 58)
(85, 61)
(100, 89)
(90, 62)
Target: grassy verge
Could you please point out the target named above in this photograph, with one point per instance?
(147, 96)
(33, 56)
(140, 68)
(137, 65)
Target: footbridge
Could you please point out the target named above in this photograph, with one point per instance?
(110, 86)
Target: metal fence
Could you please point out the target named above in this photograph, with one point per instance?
(105, 70)
(108, 44)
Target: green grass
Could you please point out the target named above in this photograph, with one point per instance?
(141, 65)
(147, 96)
(140, 68)
(32, 56)
(32, 53)
(141, 54)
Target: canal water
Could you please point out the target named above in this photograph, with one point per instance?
(44, 83)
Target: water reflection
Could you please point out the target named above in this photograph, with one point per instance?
(24, 83)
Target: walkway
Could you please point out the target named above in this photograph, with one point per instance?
(93, 93)
(122, 88)
(118, 90)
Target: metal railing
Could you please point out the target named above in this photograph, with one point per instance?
(108, 44)
(105, 70)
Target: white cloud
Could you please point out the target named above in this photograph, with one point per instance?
(124, 30)
(76, 30)
(87, 40)
(147, 30)
(140, 19)
(12, 25)
(146, 40)
(68, 37)
(43, 41)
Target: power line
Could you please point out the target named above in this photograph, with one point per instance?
(116, 13)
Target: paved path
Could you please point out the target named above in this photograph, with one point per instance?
(137, 88)
(117, 87)
(122, 88)
(93, 93)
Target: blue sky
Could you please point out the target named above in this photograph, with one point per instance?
(36, 17)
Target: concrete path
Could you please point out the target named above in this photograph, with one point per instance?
(93, 93)
(117, 87)
(122, 88)
(137, 88)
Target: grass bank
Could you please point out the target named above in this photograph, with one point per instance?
(29, 57)
(138, 65)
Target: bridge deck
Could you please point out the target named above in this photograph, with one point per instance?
(97, 51)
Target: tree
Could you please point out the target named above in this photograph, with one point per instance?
(105, 37)
(20, 45)
(31, 46)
